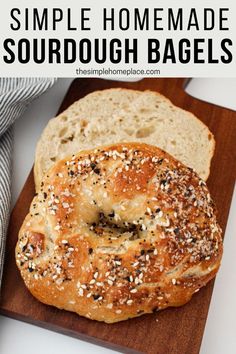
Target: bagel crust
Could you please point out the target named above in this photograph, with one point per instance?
(117, 232)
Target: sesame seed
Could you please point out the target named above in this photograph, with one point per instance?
(133, 291)
(129, 302)
(117, 217)
(81, 292)
(118, 311)
(72, 302)
(173, 281)
(59, 281)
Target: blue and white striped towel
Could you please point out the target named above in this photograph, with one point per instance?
(15, 95)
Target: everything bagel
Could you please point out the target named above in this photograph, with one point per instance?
(117, 232)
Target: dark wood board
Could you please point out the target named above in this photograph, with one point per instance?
(177, 331)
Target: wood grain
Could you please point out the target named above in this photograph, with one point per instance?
(178, 331)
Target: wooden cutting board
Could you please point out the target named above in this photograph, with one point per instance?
(177, 331)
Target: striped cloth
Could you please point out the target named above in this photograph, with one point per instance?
(15, 95)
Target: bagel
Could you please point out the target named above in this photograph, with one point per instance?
(117, 232)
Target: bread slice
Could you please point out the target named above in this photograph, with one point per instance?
(121, 115)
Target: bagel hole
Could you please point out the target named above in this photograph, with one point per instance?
(107, 225)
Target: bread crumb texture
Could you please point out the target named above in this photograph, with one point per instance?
(121, 115)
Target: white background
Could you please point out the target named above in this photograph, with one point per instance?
(219, 337)
(96, 24)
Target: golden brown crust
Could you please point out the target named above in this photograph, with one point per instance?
(119, 231)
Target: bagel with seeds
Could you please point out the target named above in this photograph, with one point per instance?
(117, 232)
